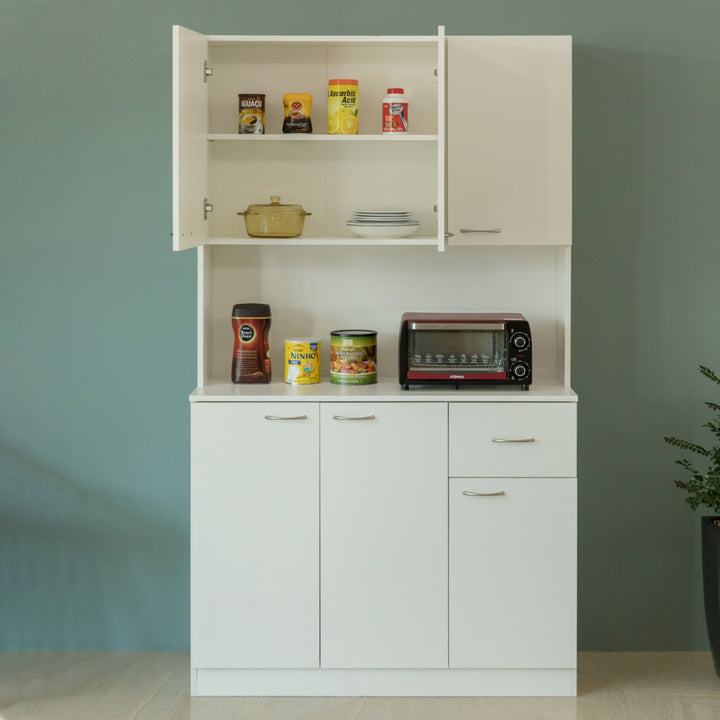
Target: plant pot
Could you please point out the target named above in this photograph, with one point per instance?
(711, 583)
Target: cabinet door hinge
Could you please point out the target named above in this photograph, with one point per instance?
(207, 71)
(207, 208)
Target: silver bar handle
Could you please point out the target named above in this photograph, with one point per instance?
(475, 493)
(514, 440)
(344, 417)
(279, 417)
(484, 230)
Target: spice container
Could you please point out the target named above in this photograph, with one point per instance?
(251, 353)
(343, 107)
(297, 108)
(352, 357)
(395, 111)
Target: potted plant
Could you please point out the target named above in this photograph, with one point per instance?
(704, 489)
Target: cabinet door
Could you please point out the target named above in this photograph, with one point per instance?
(509, 139)
(384, 535)
(254, 537)
(512, 572)
(190, 127)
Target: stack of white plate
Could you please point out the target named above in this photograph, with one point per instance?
(383, 223)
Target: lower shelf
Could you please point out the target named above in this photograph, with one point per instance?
(383, 683)
(308, 240)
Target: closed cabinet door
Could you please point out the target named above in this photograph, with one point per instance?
(512, 572)
(255, 535)
(509, 135)
(384, 535)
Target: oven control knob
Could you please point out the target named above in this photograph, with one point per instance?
(520, 341)
(520, 371)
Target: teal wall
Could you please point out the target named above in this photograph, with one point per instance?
(97, 315)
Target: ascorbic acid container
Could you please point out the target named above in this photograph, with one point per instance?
(343, 107)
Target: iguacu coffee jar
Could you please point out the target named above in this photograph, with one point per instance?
(251, 352)
(352, 357)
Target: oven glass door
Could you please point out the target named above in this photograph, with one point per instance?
(442, 349)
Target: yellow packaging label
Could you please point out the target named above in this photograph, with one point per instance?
(342, 107)
(302, 361)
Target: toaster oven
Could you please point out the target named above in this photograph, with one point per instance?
(465, 349)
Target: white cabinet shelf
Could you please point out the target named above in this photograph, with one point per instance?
(303, 240)
(320, 137)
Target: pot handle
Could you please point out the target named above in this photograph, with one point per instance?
(243, 213)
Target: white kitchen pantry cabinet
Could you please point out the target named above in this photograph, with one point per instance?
(369, 540)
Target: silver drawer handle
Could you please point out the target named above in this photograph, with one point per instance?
(487, 230)
(343, 417)
(513, 440)
(475, 493)
(278, 417)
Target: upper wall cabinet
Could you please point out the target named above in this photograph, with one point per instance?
(486, 161)
(218, 172)
(509, 140)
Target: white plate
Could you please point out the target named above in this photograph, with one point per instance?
(387, 231)
(388, 215)
(383, 222)
(382, 212)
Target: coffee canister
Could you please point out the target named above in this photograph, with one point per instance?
(251, 351)
(302, 360)
(353, 357)
(252, 114)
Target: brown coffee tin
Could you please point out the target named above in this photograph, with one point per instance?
(252, 114)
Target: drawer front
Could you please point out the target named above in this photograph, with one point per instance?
(512, 439)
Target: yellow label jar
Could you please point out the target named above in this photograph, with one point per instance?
(302, 361)
(342, 107)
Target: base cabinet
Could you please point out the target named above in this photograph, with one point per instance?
(332, 553)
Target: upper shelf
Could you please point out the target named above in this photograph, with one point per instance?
(328, 40)
(323, 137)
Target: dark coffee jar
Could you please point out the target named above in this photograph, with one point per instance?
(251, 350)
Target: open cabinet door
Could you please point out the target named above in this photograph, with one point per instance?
(190, 124)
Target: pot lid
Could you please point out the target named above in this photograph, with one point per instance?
(274, 207)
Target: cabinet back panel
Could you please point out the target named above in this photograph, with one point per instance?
(313, 290)
(276, 69)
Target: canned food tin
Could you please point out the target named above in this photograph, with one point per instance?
(352, 357)
(302, 361)
(252, 113)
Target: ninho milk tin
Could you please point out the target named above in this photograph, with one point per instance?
(302, 361)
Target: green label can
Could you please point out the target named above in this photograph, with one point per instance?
(353, 357)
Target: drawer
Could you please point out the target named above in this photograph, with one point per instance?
(512, 439)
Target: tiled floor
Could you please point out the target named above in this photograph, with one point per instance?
(154, 686)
